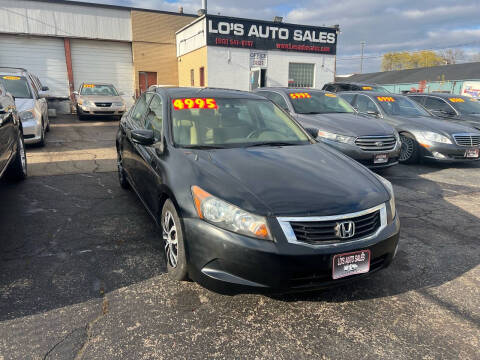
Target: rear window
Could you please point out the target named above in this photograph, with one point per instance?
(17, 86)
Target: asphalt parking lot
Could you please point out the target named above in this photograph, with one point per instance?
(82, 274)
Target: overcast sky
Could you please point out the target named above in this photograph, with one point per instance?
(384, 25)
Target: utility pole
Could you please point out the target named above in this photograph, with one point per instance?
(362, 43)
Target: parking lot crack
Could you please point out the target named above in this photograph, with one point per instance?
(89, 328)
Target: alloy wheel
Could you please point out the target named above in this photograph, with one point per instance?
(170, 236)
(407, 148)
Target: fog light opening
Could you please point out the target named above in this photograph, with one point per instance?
(437, 155)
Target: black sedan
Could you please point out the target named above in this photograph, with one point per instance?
(460, 109)
(245, 197)
(13, 161)
(423, 136)
(371, 142)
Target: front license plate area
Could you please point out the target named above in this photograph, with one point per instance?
(472, 153)
(380, 159)
(348, 264)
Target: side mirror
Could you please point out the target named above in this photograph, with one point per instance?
(373, 113)
(312, 132)
(442, 113)
(45, 88)
(143, 137)
(75, 93)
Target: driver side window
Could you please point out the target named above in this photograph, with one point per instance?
(365, 104)
(154, 118)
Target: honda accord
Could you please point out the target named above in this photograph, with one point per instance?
(246, 198)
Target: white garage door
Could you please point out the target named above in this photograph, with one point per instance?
(103, 61)
(43, 56)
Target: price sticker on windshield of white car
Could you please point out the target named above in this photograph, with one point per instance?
(472, 153)
(11, 77)
(357, 262)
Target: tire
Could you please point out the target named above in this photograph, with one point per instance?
(409, 153)
(47, 129)
(18, 168)
(79, 115)
(173, 243)
(122, 176)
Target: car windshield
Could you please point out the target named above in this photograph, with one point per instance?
(315, 102)
(98, 90)
(465, 105)
(226, 122)
(17, 86)
(400, 106)
(373, 88)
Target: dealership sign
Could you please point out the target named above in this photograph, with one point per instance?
(265, 35)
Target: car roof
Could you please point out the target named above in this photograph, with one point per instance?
(97, 83)
(288, 90)
(442, 95)
(13, 71)
(186, 92)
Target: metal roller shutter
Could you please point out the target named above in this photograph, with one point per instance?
(103, 61)
(43, 56)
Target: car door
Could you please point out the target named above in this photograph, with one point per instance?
(151, 166)
(133, 121)
(7, 129)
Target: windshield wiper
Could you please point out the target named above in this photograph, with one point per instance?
(272, 143)
(311, 113)
(203, 147)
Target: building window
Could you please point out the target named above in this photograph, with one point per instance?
(300, 75)
(192, 77)
(202, 76)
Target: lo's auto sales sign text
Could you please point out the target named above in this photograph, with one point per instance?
(264, 35)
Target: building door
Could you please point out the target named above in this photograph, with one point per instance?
(258, 78)
(146, 79)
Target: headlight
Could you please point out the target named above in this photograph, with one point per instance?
(335, 137)
(433, 137)
(229, 217)
(118, 104)
(88, 103)
(391, 210)
(26, 115)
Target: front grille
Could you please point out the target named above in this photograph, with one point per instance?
(467, 139)
(323, 232)
(103, 104)
(376, 143)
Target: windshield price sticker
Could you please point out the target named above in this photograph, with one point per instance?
(330, 95)
(385, 99)
(11, 78)
(300, 96)
(194, 103)
(88, 85)
(456, 100)
(367, 88)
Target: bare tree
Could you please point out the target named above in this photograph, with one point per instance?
(452, 56)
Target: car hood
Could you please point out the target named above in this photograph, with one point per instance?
(471, 120)
(346, 124)
(100, 98)
(433, 124)
(24, 104)
(292, 180)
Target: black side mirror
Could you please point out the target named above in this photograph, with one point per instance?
(373, 113)
(45, 88)
(143, 137)
(312, 132)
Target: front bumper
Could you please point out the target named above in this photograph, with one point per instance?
(221, 260)
(32, 130)
(446, 152)
(366, 157)
(101, 111)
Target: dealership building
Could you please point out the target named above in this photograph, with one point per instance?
(66, 43)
